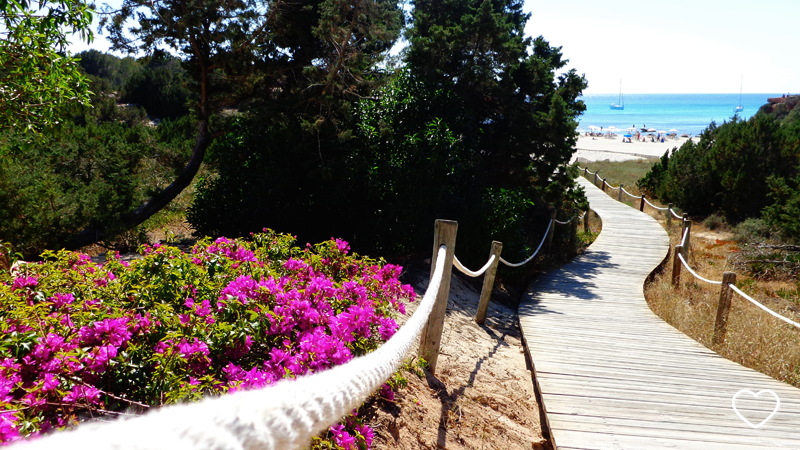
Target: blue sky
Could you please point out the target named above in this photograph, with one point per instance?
(680, 46)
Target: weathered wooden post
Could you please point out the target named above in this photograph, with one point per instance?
(595, 178)
(641, 204)
(431, 338)
(723, 308)
(619, 198)
(585, 171)
(573, 230)
(488, 283)
(549, 243)
(676, 266)
(586, 221)
(603, 187)
(669, 215)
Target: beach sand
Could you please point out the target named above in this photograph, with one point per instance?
(601, 149)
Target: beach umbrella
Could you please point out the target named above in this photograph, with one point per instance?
(661, 131)
(673, 130)
(651, 130)
(627, 135)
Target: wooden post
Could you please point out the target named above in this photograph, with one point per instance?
(669, 215)
(676, 266)
(585, 171)
(586, 221)
(603, 187)
(488, 283)
(724, 306)
(641, 204)
(619, 198)
(431, 337)
(573, 230)
(595, 178)
(549, 243)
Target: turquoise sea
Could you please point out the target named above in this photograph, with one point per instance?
(688, 113)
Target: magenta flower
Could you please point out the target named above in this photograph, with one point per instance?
(60, 300)
(88, 394)
(24, 282)
(367, 433)
(387, 328)
(8, 427)
(342, 438)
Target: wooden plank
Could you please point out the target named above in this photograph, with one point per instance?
(614, 375)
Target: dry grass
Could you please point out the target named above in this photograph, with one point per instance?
(754, 338)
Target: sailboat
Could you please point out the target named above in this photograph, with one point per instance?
(621, 101)
(739, 108)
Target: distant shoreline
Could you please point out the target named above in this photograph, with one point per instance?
(600, 149)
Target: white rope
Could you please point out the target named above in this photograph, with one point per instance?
(582, 215)
(563, 223)
(751, 300)
(534, 253)
(634, 196)
(654, 206)
(284, 416)
(470, 273)
(612, 187)
(589, 171)
(685, 234)
(685, 264)
(675, 215)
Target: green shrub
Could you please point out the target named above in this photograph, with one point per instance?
(81, 177)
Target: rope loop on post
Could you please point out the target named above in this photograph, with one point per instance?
(470, 273)
(282, 416)
(534, 253)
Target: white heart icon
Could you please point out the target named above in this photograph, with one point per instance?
(777, 405)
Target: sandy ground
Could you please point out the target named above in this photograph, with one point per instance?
(482, 395)
(600, 149)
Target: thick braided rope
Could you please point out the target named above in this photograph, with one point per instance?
(284, 416)
(612, 187)
(534, 253)
(751, 300)
(654, 206)
(695, 273)
(685, 235)
(634, 196)
(470, 273)
(675, 215)
(563, 223)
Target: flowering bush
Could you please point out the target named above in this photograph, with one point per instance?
(80, 340)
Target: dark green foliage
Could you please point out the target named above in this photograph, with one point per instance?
(117, 71)
(742, 169)
(481, 136)
(160, 88)
(83, 176)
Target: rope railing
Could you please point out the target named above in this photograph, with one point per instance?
(654, 206)
(685, 264)
(470, 273)
(757, 303)
(629, 194)
(546, 234)
(675, 215)
(285, 415)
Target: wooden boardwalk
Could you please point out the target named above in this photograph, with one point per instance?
(614, 376)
